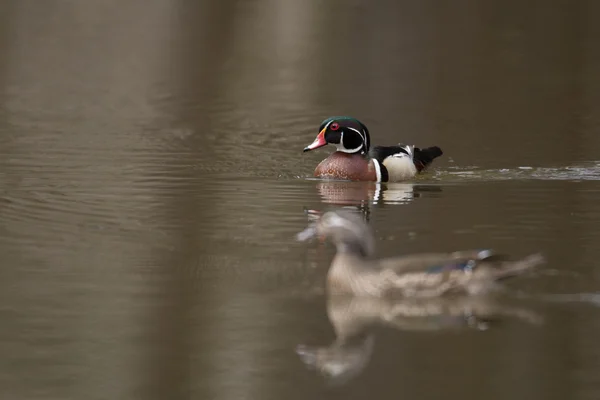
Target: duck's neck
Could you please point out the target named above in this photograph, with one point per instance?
(352, 249)
(349, 275)
(342, 149)
(339, 153)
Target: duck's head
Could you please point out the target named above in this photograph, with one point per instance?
(340, 362)
(346, 229)
(348, 134)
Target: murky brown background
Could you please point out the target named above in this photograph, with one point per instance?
(152, 181)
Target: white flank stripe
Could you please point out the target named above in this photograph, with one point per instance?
(377, 169)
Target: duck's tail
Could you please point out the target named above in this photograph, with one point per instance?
(514, 268)
(423, 157)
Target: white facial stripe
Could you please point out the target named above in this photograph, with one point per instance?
(343, 149)
(357, 131)
(340, 146)
(360, 134)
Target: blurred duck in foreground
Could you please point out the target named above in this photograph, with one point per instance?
(355, 271)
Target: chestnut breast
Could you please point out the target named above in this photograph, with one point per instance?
(341, 165)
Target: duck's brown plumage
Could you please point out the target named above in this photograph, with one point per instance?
(354, 270)
(354, 167)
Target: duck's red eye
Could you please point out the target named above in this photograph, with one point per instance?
(334, 126)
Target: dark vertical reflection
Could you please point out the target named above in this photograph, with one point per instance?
(200, 49)
(230, 59)
(6, 18)
(590, 81)
(91, 277)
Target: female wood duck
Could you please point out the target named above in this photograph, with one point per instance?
(353, 271)
(355, 160)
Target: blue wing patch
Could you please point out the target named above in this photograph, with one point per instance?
(468, 266)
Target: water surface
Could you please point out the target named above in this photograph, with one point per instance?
(152, 181)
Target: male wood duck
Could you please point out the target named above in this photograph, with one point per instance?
(354, 271)
(355, 160)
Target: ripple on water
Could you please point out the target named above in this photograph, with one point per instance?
(65, 198)
(588, 171)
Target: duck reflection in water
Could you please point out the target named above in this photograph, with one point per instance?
(354, 319)
(362, 196)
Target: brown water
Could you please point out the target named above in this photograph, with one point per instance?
(152, 182)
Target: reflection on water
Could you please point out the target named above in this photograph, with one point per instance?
(367, 196)
(588, 171)
(355, 193)
(152, 181)
(353, 320)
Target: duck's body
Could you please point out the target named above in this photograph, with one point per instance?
(422, 275)
(355, 160)
(353, 270)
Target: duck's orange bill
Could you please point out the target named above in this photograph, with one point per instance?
(319, 141)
